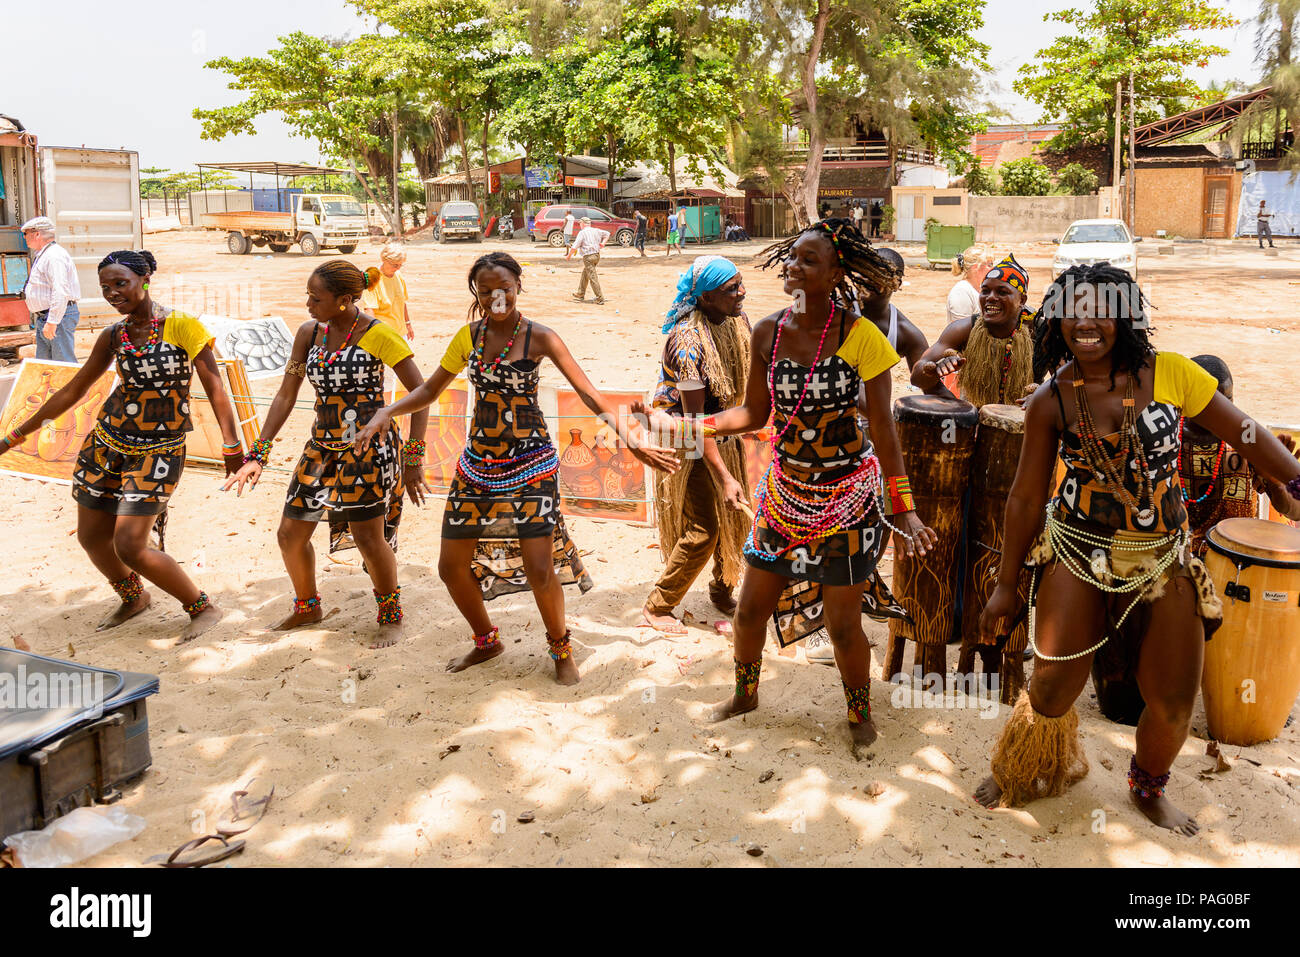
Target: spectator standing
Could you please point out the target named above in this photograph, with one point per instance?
(568, 234)
(674, 233)
(51, 292)
(386, 296)
(857, 214)
(877, 216)
(642, 226)
(1262, 226)
(589, 243)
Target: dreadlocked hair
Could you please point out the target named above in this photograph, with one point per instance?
(1120, 298)
(141, 263)
(492, 260)
(865, 270)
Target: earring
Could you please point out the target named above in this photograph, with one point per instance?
(343, 308)
(146, 287)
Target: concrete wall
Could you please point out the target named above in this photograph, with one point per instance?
(1009, 219)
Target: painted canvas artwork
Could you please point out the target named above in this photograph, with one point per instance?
(263, 345)
(49, 453)
(599, 477)
(203, 447)
(446, 434)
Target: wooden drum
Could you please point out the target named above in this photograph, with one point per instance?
(937, 437)
(993, 469)
(1252, 664)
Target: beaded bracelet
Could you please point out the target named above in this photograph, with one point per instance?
(1293, 487)
(260, 452)
(900, 495)
(14, 438)
(232, 447)
(413, 453)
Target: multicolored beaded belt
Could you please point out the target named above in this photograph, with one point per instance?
(510, 474)
(801, 512)
(124, 444)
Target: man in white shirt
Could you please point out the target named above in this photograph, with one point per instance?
(51, 292)
(568, 234)
(857, 215)
(589, 243)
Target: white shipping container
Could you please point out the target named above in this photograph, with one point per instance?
(93, 196)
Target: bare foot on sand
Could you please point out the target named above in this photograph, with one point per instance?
(202, 622)
(300, 618)
(1160, 811)
(664, 624)
(566, 671)
(387, 635)
(723, 600)
(735, 706)
(988, 793)
(125, 612)
(475, 657)
(864, 735)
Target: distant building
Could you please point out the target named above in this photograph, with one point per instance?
(1012, 141)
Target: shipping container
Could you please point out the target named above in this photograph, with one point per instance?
(93, 196)
(20, 198)
(272, 200)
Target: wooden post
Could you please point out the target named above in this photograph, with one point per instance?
(1132, 155)
(1119, 122)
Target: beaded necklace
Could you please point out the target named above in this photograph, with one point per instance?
(1218, 462)
(325, 361)
(771, 368)
(497, 475)
(482, 341)
(155, 336)
(1103, 466)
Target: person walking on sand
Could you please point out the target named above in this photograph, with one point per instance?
(386, 296)
(589, 243)
(674, 232)
(642, 227)
(569, 224)
(51, 292)
(1262, 227)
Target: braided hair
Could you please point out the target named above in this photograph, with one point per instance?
(1126, 305)
(865, 270)
(492, 260)
(340, 277)
(141, 263)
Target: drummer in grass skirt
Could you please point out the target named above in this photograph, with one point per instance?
(344, 353)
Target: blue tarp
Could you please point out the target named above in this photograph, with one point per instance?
(1281, 193)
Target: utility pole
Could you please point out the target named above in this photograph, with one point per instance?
(1132, 155)
(1119, 123)
(397, 192)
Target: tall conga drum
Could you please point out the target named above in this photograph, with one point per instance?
(1252, 664)
(993, 469)
(937, 437)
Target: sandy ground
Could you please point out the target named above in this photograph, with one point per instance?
(380, 758)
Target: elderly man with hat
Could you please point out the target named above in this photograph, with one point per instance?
(51, 292)
(589, 242)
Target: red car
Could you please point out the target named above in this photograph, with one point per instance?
(549, 223)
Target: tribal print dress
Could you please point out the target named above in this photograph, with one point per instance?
(823, 441)
(131, 461)
(331, 479)
(508, 425)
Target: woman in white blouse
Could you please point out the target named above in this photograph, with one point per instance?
(971, 265)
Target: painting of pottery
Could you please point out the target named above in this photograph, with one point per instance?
(50, 452)
(599, 477)
(445, 435)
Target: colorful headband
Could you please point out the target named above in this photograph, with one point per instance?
(835, 240)
(1012, 273)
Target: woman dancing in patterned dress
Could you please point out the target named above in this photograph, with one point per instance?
(344, 354)
(820, 525)
(1114, 561)
(502, 530)
(129, 465)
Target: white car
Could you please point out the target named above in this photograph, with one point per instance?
(1090, 241)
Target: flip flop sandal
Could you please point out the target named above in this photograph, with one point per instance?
(242, 809)
(646, 623)
(723, 627)
(227, 849)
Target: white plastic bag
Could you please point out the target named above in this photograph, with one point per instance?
(75, 836)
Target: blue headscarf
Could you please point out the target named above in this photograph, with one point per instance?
(706, 274)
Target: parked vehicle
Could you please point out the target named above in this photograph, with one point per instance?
(548, 224)
(317, 221)
(458, 218)
(1090, 241)
(507, 227)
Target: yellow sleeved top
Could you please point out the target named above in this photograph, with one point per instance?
(1181, 382)
(867, 350)
(385, 345)
(185, 332)
(456, 358)
(386, 301)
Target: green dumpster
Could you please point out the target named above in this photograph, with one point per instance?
(943, 243)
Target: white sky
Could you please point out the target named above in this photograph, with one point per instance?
(80, 73)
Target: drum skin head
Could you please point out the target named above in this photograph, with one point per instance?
(1258, 538)
(933, 409)
(1008, 418)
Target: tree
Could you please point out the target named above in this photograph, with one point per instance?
(1074, 78)
(1025, 177)
(1076, 179)
(979, 179)
(1277, 27)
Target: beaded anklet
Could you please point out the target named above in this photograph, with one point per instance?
(559, 648)
(129, 588)
(747, 678)
(198, 605)
(390, 607)
(489, 639)
(1143, 784)
(303, 605)
(859, 702)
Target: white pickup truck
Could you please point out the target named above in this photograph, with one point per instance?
(317, 221)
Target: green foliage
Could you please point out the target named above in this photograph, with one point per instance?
(1074, 78)
(980, 180)
(155, 181)
(1076, 179)
(887, 215)
(1025, 177)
